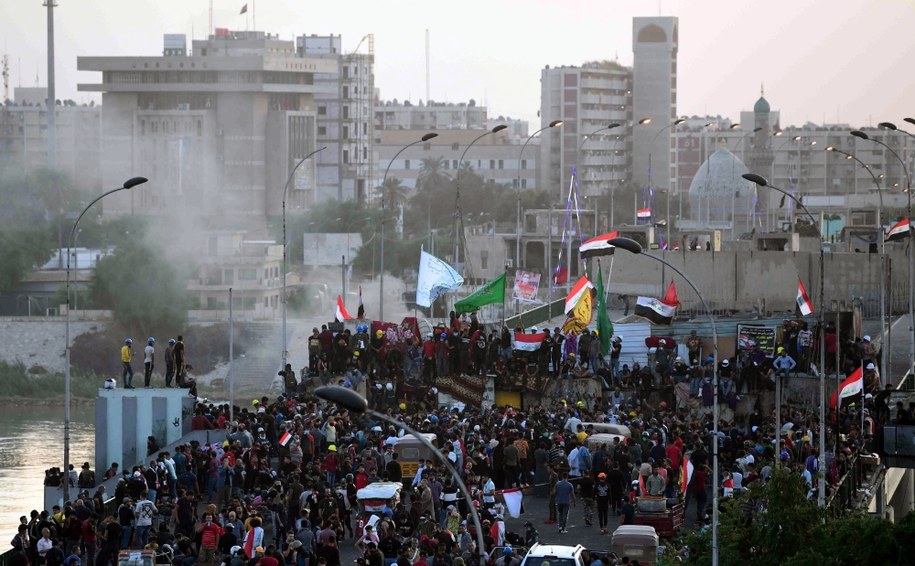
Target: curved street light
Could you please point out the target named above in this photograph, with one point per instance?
(352, 401)
(908, 191)
(128, 184)
(423, 139)
(457, 180)
(553, 124)
(884, 329)
(821, 499)
(285, 191)
(634, 247)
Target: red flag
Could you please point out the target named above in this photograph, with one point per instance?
(670, 298)
(341, 314)
(561, 276)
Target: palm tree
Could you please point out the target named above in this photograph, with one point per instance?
(393, 192)
(431, 174)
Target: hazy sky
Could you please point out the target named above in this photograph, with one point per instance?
(832, 60)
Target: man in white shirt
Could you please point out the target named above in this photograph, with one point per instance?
(149, 353)
(144, 511)
(574, 471)
(489, 491)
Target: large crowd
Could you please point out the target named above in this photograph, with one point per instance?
(281, 489)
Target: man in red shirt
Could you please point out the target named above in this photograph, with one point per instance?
(209, 540)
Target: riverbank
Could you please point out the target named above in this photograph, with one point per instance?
(20, 382)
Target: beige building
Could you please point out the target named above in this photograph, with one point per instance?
(217, 130)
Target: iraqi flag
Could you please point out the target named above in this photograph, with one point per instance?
(361, 312)
(686, 473)
(528, 342)
(804, 304)
(341, 314)
(850, 388)
(643, 213)
(897, 231)
(561, 276)
(654, 310)
(284, 440)
(597, 246)
(581, 287)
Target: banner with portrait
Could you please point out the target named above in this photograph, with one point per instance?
(527, 283)
(749, 337)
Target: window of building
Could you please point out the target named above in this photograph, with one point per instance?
(492, 163)
(501, 164)
(322, 130)
(345, 92)
(454, 163)
(322, 110)
(345, 132)
(484, 259)
(228, 277)
(345, 156)
(345, 112)
(406, 164)
(523, 183)
(454, 147)
(427, 146)
(247, 274)
(524, 163)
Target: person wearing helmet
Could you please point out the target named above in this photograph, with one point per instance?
(149, 354)
(359, 343)
(126, 358)
(375, 357)
(602, 493)
(170, 362)
(442, 354)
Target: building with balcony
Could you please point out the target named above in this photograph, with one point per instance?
(217, 129)
(251, 268)
(431, 115)
(345, 122)
(587, 99)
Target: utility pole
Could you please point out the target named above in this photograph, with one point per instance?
(52, 96)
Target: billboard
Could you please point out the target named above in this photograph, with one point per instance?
(527, 283)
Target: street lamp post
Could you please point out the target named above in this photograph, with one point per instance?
(553, 124)
(634, 247)
(128, 184)
(286, 190)
(821, 498)
(457, 196)
(423, 139)
(352, 401)
(908, 191)
(885, 331)
(673, 124)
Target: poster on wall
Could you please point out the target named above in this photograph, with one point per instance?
(527, 283)
(749, 337)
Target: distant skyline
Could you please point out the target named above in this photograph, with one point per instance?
(821, 61)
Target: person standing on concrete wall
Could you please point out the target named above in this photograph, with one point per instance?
(149, 353)
(179, 360)
(170, 362)
(126, 357)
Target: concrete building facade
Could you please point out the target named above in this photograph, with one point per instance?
(345, 121)
(431, 115)
(655, 43)
(217, 131)
(587, 99)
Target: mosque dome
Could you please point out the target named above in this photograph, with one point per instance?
(719, 189)
(761, 106)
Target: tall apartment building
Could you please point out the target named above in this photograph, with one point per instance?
(587, 99)
(217, 130)
(24, 136)
(654, 95)
(345, 121)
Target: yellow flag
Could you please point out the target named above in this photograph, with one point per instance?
(580, 315)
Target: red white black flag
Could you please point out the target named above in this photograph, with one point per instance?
(803, 299)
(898, 231)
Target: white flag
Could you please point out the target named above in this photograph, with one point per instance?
(435, 279)
(513, 501)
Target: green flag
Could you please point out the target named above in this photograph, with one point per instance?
(492, 292)
(604, 326)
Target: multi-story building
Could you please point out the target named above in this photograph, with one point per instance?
(345, 121)
(431, 115)
(495, 157)
(654, 95)
(217, 131)
(587, 99)
(24, 136)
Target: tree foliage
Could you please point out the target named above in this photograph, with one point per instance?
(146, 290)
(775, 524)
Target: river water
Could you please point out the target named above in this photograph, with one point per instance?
(31, 441)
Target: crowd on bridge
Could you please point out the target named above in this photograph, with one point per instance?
(281, 489)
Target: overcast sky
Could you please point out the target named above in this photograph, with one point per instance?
(820, 60)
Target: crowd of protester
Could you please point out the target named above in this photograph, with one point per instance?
(281, 489)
